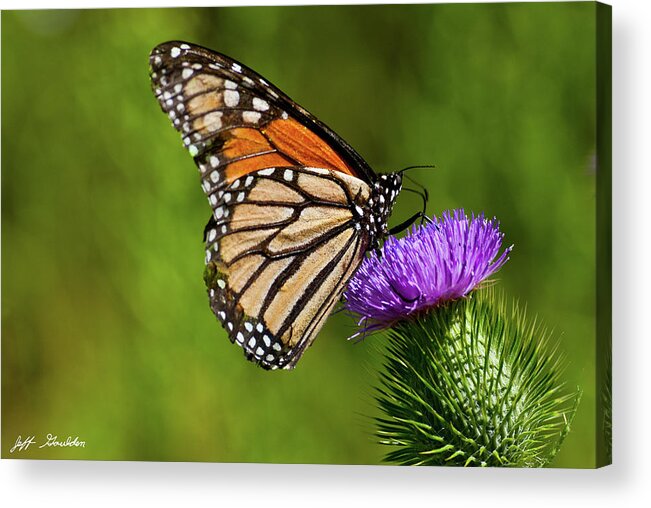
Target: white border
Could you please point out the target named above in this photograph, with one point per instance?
(626, 483)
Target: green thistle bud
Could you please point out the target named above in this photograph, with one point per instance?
(471, 383)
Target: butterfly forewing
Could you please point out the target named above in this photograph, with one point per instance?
(233, 121)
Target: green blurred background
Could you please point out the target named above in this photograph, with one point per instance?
(107, 334)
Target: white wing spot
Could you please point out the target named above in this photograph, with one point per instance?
(248, 326)
(276, 346)
(251, 116)
(221, 283)
(267, 340)
(236, 67)
(214, 161)
(212, 235)
(269, 358)
(260, 104)
(259, 327)
(178, 87)
(185, 46)
(187, 73)
(231, 98)
(235, 184)
(213, 199)
(248, 181)
(227, 198)
(193, 150)
(213, 121)
(284, 115)
(230, 85)
(252, 342)
(267, 172)
(240, 197)
(288, 175)
(214, 176)
(259, 351)
(175, 52)
(240, 337)
(219, 213)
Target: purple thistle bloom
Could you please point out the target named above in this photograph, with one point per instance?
(435, 263)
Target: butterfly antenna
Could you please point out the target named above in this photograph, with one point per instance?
(419, 166)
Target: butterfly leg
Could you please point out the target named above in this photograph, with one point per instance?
(404, 225)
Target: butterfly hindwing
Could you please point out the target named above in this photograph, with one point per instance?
(283, 246)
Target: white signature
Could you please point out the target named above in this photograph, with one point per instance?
(51, 440)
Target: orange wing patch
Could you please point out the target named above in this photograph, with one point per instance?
(243, 167)
(304, 146)
(281, 143)
(250, 151)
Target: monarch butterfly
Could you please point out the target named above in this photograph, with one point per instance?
(294, 207)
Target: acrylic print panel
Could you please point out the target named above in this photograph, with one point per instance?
(123, 339)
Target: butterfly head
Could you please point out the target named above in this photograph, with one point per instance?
(383, 195)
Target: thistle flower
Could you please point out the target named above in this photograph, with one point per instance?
(437, 262)
(465, 381)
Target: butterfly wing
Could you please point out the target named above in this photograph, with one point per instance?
(234, 122)
(283, 246)
(287, 196)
